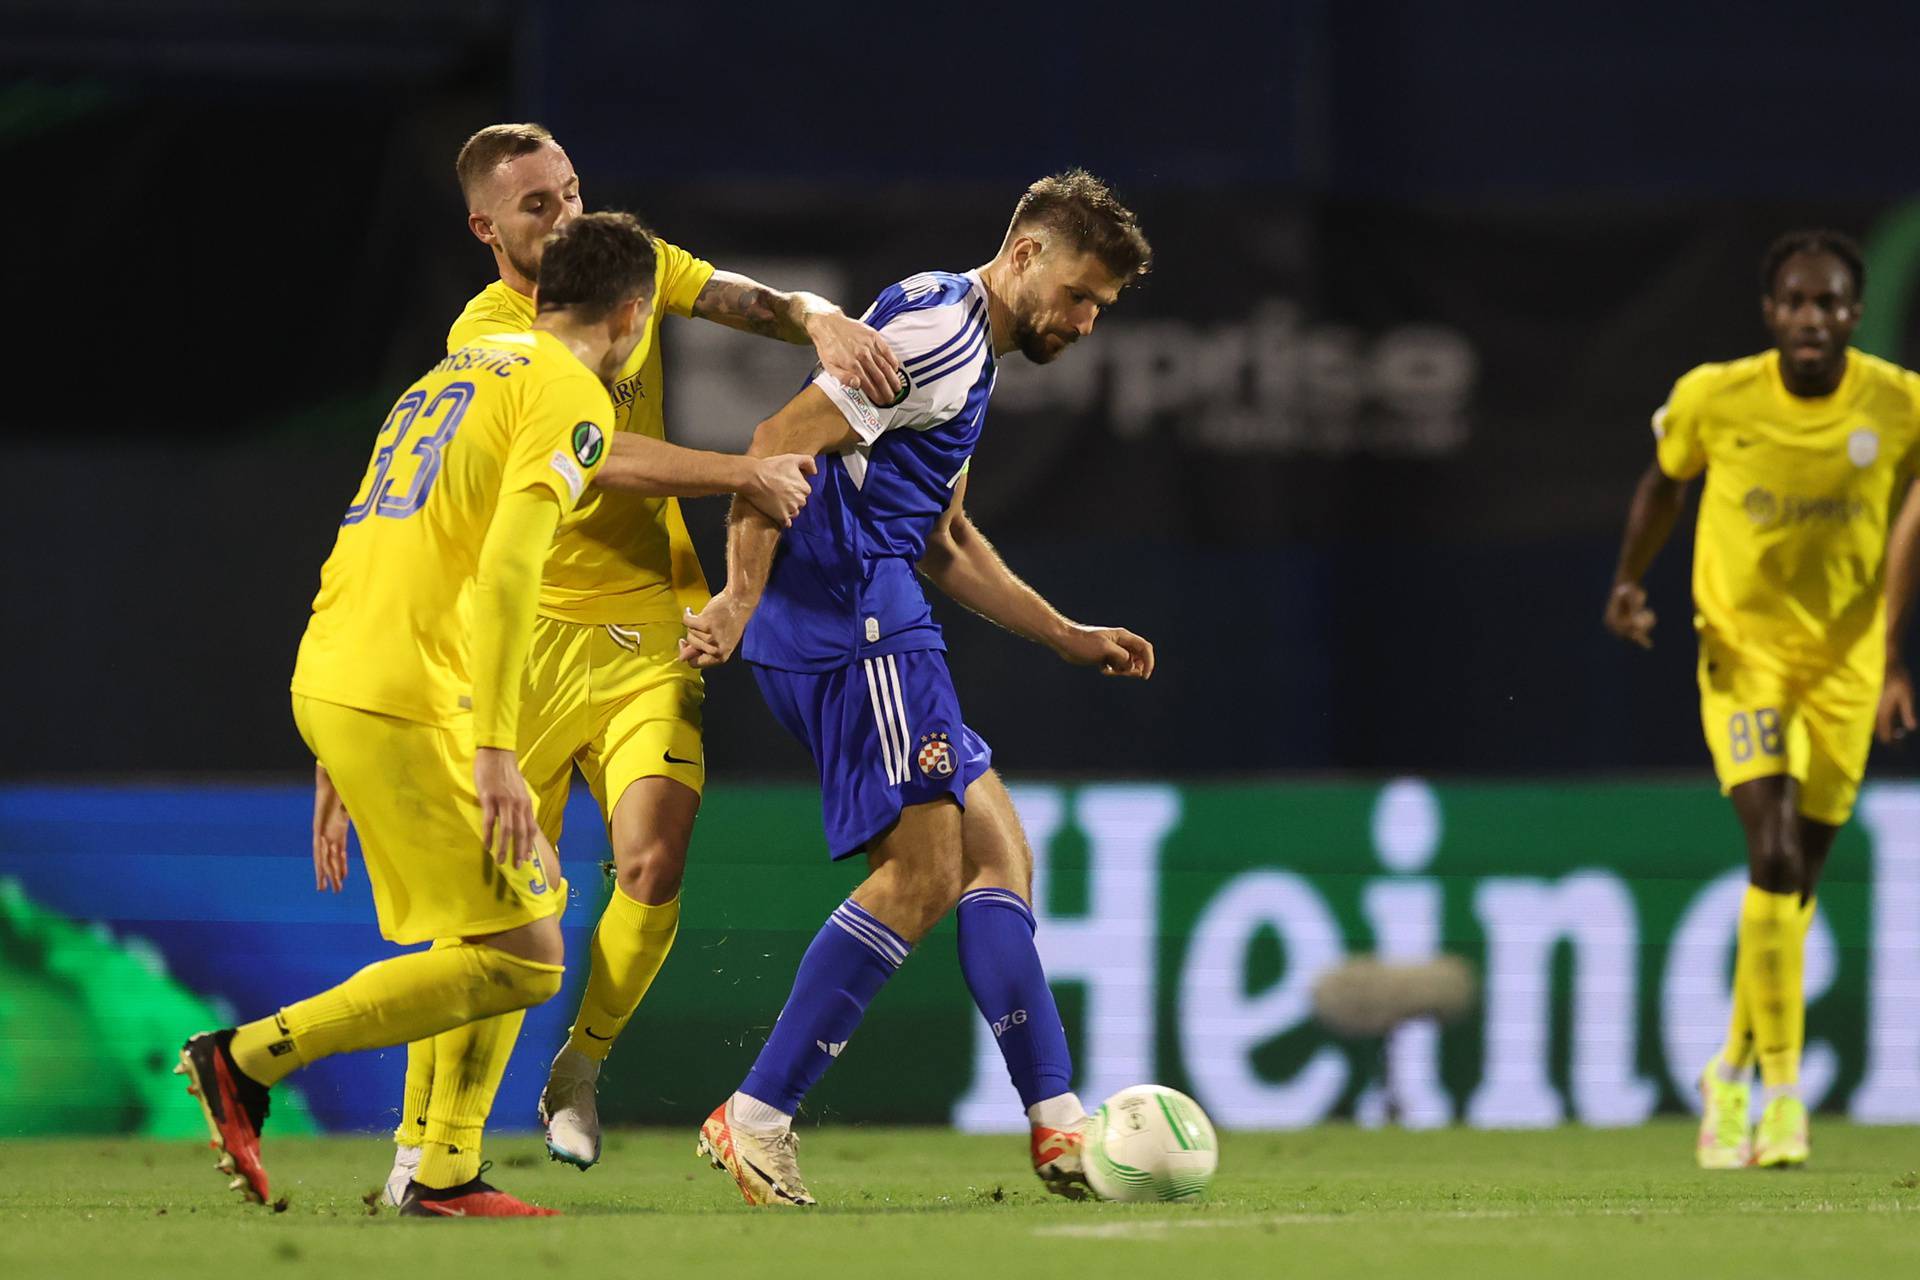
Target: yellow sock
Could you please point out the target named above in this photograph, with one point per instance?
(1737, 1053)
(1772, 950)
(397, 1001)
(412, 1130)
(471, 1059)
(629, 946)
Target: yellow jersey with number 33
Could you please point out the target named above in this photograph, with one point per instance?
(1789, 565)
(628, 559)
(390, 626)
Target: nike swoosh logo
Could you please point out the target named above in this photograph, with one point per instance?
(772, 1182)
(674, 759)
(591, 1036)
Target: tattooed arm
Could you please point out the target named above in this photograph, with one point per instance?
(848, 349)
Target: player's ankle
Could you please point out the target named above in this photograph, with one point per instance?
(575, 1065)
(1062, 1111)
(1774, 1091)
(755, 1116)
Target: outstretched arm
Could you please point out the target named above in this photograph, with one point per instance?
(964, 565)
(653, 468)
(1896, 719)
(809, 424)
(1657, 503)
(848, 349)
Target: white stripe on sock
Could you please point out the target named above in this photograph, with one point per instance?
(886, 937)
(872, 944)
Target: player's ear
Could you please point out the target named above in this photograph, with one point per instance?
(482, 227)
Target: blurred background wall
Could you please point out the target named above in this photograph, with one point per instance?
(1355, 457)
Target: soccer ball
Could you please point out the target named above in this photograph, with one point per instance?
(1150, 1143)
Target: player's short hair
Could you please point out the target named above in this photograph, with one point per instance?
(595, 263)
(492, 147)
(1814, 240)
(1082, 209)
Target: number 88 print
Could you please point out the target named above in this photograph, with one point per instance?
(1761, 730)
(448, 407)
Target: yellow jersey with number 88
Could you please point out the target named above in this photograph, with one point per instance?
(1789, 566)
(390, 626)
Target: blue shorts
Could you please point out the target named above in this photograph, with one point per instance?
(885, 733)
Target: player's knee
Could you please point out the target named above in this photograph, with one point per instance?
(935, 888)
(649, 869)
(1774, 862)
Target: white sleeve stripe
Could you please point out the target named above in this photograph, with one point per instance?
(965, 358)
(916, 363)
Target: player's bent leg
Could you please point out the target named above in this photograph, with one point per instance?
(651, 827)
(1002, 968)
(393, 1002)
(914, 880)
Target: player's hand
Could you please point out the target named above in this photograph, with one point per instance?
(713, 634)
(1115, 650)
(1627, 615)
(857, 355)
(506, 806)
(329, 833)
(780, 486)
(1895, 719)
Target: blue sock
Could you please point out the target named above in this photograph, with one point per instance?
(1002, 968)
(850, 959)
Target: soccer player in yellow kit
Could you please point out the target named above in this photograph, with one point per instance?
(606, 690)
(1807, 449)
(408, 690)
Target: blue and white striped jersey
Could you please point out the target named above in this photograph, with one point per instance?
(843, 586)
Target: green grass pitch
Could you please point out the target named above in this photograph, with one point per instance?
(927, 1203)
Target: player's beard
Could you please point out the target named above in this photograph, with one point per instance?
(529, 268)
(1036, 345)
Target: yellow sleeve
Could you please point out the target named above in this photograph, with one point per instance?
(506, 591)
(560, 439)
(1677, 425)
(678, 277)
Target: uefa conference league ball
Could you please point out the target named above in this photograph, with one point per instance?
(1150, 1143)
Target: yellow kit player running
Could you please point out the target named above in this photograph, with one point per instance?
(408, 690)
(1807, 449)
(606, 690)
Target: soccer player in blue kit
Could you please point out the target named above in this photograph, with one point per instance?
(844, 647)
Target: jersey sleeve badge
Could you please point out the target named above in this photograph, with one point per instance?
(589, 442)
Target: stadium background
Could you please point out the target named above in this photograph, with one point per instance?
(1355, 458)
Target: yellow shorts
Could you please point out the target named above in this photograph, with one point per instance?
(618, 702)
(409, 789)
(1760, 723)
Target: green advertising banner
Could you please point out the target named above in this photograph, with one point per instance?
(1184, 928)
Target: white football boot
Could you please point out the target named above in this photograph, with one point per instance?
(570, 1109)
(406, 1163)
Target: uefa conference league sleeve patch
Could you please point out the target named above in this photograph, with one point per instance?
(589, 444)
